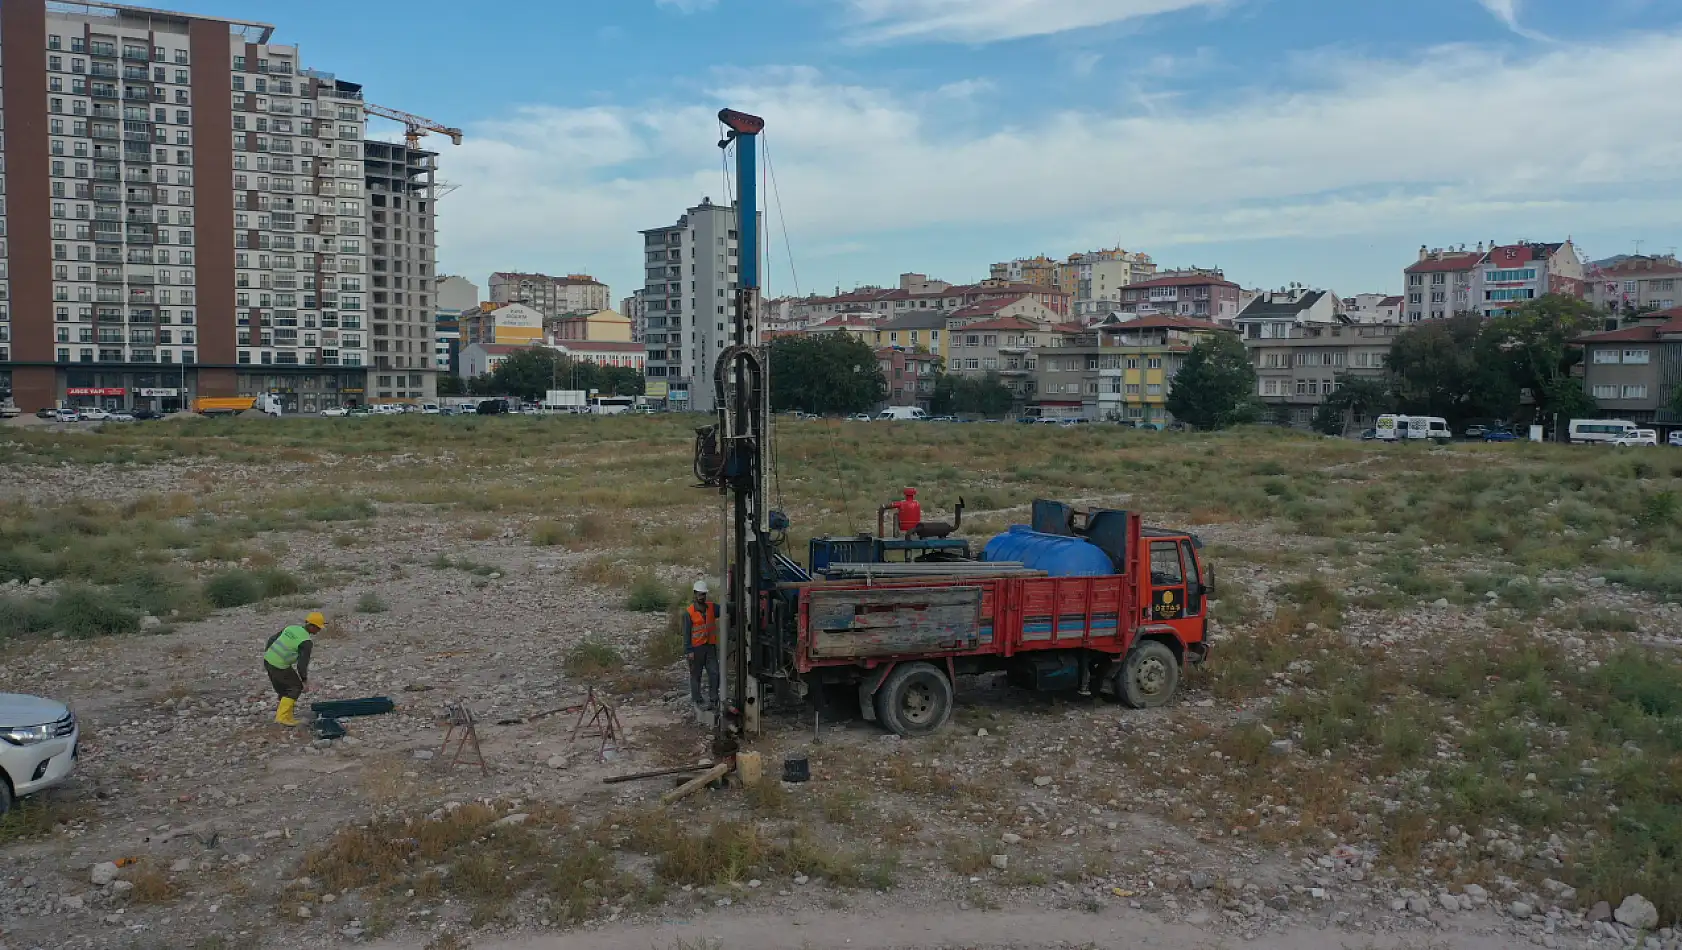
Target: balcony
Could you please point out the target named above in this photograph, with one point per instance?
(102, 71)
(103, 133)
(103, 49)
(137, 73)
(99, 91)
(108, 255)
(109, 275)
(103, 213)
(141, 238)
(105, 193)
(133, 94)
(141, 196)
(106, 174)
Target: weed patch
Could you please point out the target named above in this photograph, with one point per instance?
(591, 658)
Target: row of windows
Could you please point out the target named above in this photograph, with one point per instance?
(143, 336)
(131, 51)
(1506, 276)
(134, 216)
(108, 153)
(1637, 355)
(115, 315)
(115, 355)
(1303, 387)
(107, 71)
(135, 295)
(1636, 391)
(1522, 294)
(135, 255)
(328, 358)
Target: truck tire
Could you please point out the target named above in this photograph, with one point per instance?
(915, 700)
(1149, 676)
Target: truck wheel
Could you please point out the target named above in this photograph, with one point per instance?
(1149, 677)
(916, 700)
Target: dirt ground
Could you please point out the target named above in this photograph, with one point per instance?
(1033, 822)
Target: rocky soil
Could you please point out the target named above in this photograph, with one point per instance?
(189, 818)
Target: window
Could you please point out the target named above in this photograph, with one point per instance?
(1165, 563)
(1635, 392)
(1637, 356)
(1509, 276)
(1605, 392)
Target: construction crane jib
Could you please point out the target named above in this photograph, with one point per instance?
(414, 126)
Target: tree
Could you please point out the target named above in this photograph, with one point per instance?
(825, 373)
(982, 396)
(1216, 386)
(1436, 370)
(1531, 347)
(529, 373)
(449, 384)
(1355, 397)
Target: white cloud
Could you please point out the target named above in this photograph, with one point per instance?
(986, 21)
(686, 6)
(1365, 152)
(1084, 63)
(1507, 12)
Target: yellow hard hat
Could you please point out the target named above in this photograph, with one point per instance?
(316, 619)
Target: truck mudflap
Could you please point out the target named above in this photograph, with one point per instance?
(1197, 653)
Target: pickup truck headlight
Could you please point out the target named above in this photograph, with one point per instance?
(27, 735)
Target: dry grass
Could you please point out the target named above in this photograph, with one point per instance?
(151, 885)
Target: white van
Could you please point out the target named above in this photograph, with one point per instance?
(1397, 428)
(902, 413)
(1600, 430)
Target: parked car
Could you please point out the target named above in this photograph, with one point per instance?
(859, 417)
(145, 415)
(37, 745)
(1499, 435)
(1675, 439)
(95, 414)
(360, 411)
(1369, 435)
(46, 413)
(1639, 437)
(1476, 431)
(67, 415)
(120, 416)
(336, 412)
(943, 419)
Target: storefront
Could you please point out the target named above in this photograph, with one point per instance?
(158, 398)
(306, 392)
(96, 397)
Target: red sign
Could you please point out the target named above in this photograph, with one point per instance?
(94, 391)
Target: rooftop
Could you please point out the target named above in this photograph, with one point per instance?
(1266, 307)
(1446, 261)
(249, 30)
(1184, 280)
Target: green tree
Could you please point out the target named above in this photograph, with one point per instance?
(1216, 386)
(449, 384)
(530, 372)
(825, 373)
(1355, 398)
(1435, 370)
(984, 396)
(1531, 348)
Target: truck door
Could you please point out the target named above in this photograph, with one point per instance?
(1195, 594)
(1168, 582)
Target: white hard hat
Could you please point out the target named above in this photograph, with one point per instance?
(700, 587)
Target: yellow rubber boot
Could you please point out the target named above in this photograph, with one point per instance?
(283, 713)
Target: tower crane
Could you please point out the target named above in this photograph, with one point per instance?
(414, 126)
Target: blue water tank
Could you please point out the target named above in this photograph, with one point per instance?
(1057, 555)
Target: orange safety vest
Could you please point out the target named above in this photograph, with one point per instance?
(703, 629)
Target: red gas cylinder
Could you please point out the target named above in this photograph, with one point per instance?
(910, 512)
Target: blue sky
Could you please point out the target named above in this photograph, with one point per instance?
(1319, 141)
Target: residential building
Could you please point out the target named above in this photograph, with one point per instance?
(922, 331)
(601, 326)
(512, 324)
(1299, 361)
(551, 296)
(1121, 370)
(917, 293)
(861, 325)
(1515, 273)
(1272, 315)
(1026, 270)
(402, 240)
(1634, 372)
(690, 291)
(910, 375)
(178, 215)
(1373, 308)
(635, 309)
(1024, 308)
(1202, 294)
(1007, 346)
(455, 294)
(620, 353)
(1634, 284)
(1094, 280)
(1442, 283)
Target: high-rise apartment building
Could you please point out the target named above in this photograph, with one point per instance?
(402, 235)
(690, 286)
(551, 296)
(186, 213)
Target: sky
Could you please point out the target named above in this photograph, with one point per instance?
(1312, 141)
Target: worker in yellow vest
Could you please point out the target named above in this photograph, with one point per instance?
(700, 638)
(286, 658)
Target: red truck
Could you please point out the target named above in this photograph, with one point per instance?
(1129, 614)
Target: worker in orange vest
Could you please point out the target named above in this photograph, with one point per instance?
(700, 638)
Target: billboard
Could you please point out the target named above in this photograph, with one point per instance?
(655, 389)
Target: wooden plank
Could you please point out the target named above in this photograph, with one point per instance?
(893, 621)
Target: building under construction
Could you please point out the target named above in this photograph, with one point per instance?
(402, 261)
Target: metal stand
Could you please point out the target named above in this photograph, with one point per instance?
(464, 730)
(603, 719)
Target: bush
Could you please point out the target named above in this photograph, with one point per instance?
(85, 612)
(593, 657)
(22, 616)
(371, 603)
(664, 646)
(234, 588)
(648, 595)
(548, 533)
